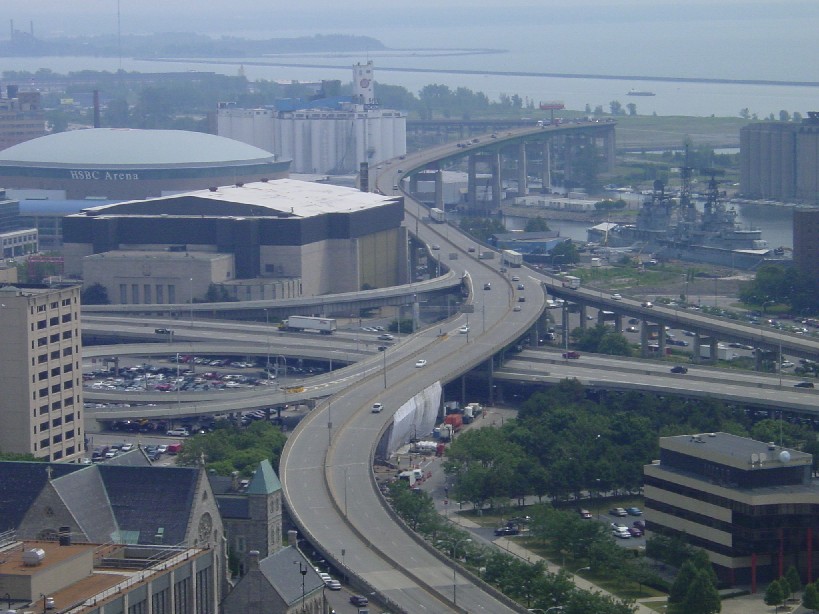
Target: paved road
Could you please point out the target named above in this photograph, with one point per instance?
(326, 473)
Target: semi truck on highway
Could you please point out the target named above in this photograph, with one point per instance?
(571, 282)
(512, 258)
(326, 326)
(437, 215)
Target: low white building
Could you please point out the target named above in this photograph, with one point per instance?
(333, 136)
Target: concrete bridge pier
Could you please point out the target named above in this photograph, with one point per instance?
(471, 181)
(583, 319)
(497, 184)
(695, 349)
(439, 189)
(523, 186)
(546, 171)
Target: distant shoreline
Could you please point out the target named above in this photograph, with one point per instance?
(502, 73)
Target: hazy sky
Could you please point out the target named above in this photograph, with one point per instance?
(266, 18)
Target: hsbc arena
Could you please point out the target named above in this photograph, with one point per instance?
(127, 164)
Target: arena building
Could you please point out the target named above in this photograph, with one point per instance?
(272, 239)
(120, 164)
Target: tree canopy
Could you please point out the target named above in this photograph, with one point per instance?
(230, 448)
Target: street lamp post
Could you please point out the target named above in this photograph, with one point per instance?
(303, 571)
(267, 336)
(454, 543)
(191, 299)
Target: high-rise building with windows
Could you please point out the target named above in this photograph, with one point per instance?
(41, 401)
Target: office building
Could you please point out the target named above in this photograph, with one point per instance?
(21, 117)
(752, 506)
(41, 401)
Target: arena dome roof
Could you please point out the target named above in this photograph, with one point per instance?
(127, 148)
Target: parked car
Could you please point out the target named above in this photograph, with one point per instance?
(635, 531)
(679, 369)
(571, 354)
(358, 600)
(621, 533)
(507, 531)
(585, 514)
(640, 524)
(634, 511)
(618, 511)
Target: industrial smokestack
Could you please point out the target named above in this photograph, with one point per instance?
(96, 108)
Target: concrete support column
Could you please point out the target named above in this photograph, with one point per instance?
(714, 349)
(439, 189)
(643, 338)
(565, 320)
(611, 149)
(661, 343)
(546, 172)
(496, 181)
(583, 309)
(413, 183)
(618, 323)
(695, 349)
(471, 182)
(758, 359)
(523, 186)
(568, 158)
(490, 367)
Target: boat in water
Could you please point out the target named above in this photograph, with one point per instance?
(674, 228)
(640, 93)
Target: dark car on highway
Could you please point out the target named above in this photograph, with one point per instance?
(679, 369)
(571, 355)
(359, 600)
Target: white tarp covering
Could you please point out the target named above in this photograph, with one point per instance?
(415, 418)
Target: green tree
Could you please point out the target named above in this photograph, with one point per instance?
(702, 597)
(536, 224)
(793, 580)
(774, 595)
(615, 107)
(810, 599)
(632, 108)
(95, 294)
(229, 448)
(565, 252)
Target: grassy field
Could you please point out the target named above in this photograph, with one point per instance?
(656, 132)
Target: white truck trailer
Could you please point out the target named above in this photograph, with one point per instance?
(326, 326)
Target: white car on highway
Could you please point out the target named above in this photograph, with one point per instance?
(421, 363)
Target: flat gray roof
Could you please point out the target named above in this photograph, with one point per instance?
(735, 451)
